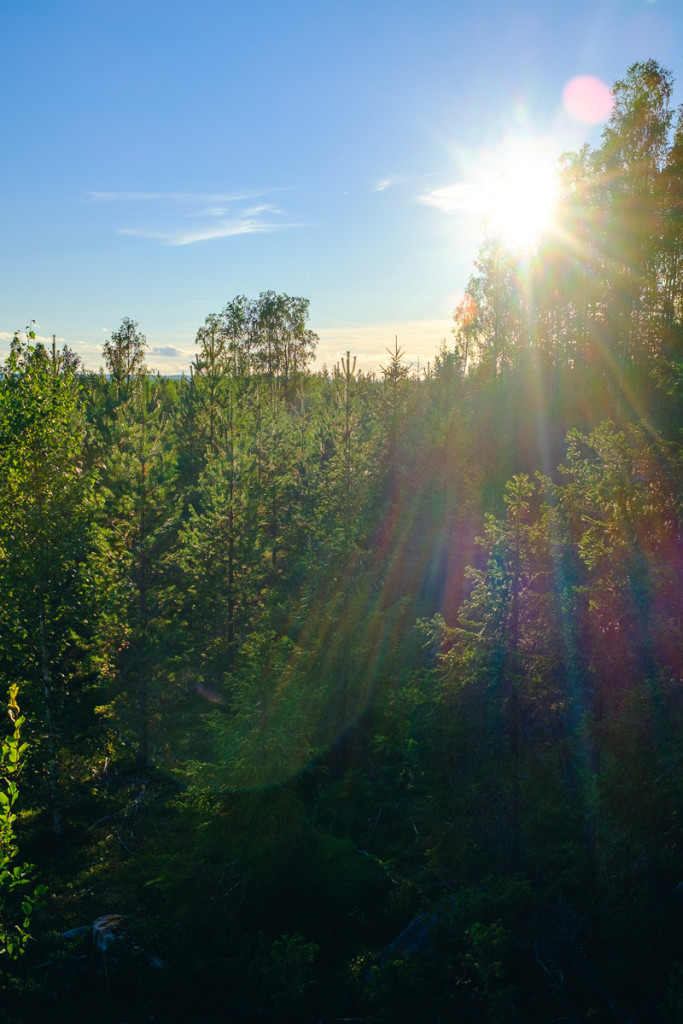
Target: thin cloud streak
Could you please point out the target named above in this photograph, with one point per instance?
(384, 183)
(223, 230)
(453, 198)
(252, 211)
(393, 180)
(185, 197)
(179, 207)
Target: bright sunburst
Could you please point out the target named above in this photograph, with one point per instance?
(519, 194)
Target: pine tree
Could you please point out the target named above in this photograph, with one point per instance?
(136, 527)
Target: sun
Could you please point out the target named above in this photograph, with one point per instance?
(519, 194)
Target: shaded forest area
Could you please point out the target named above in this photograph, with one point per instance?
(342, 696)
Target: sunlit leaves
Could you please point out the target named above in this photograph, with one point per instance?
(45, 499)
(16, 901)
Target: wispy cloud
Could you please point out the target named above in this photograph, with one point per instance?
(263, 208)
(184, 197)
(222, 229)
(222, 211)
(453, 198)
(394, 180)
(384, 183)
(222, 215)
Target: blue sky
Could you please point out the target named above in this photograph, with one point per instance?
(160, 158)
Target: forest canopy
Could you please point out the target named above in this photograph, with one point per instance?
(358, 696)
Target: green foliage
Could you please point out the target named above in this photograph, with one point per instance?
(124, 356)
(269, 733)
(265, 336)
(478, 818)
(136, 523)
(44, 505)
(17, 898)
(281, 972)
(46, 508)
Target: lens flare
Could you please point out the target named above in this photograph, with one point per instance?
(587, 100)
